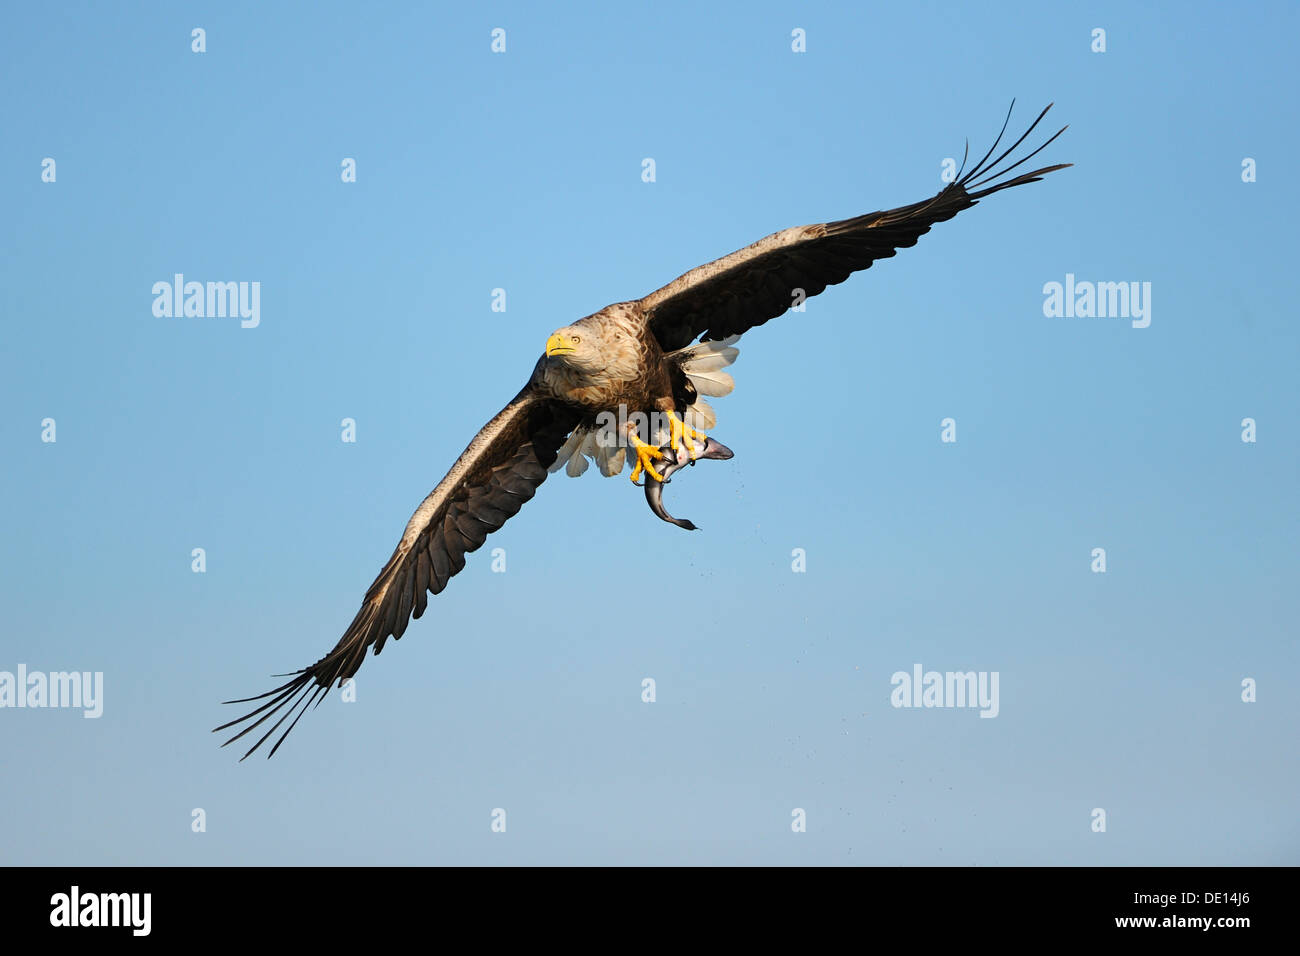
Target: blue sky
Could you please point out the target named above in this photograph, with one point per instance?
(522, 690)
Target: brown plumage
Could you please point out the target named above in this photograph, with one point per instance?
(629, 357)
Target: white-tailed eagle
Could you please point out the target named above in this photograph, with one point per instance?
(613, 387)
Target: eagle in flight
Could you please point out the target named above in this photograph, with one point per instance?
(621, 386)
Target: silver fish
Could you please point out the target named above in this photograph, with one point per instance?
(654, 490)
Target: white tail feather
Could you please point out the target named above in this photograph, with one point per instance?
(712, 383)
(570, 448)
(703, 364)
(707, 356)
(577, 465)
(701, 416)
(610, 460)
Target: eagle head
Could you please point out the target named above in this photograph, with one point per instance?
(574, 347)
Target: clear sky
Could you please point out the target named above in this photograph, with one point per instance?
(1120, 691)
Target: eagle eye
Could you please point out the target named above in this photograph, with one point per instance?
(576, 339)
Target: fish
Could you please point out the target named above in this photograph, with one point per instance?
(654, 490)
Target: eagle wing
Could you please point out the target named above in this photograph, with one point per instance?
(738, 292)
(500, 470)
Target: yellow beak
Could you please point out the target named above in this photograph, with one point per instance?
(559, 344)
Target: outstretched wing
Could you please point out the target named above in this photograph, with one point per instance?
(737, 292)
(500, 470)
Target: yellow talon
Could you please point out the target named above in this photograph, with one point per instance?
(681, 430)
(644, 455)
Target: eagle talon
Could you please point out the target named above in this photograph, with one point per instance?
(645, 454)
(680, 430)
